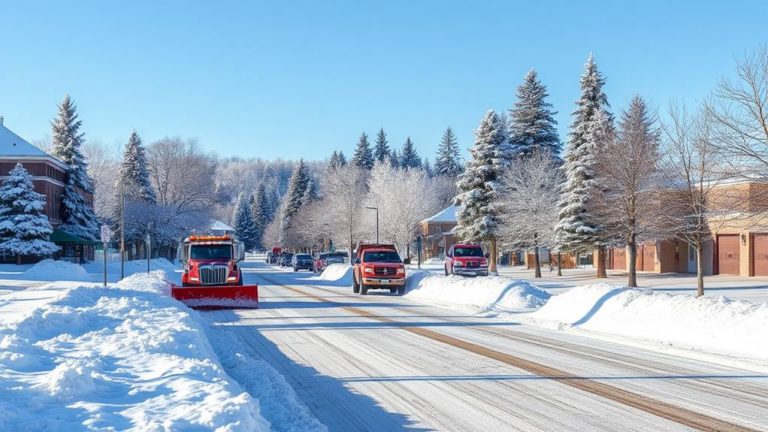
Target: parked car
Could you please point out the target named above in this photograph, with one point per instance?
(268, 257)
(319, 262)
(302, 262)
(327, 258)
(466, 259)
(378, 266)
(285, 259)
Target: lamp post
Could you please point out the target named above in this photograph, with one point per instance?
(150, 225)
(377, 222)
(122, 236)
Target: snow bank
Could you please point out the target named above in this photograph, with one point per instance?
(434, 261)
(478, 294)
(122, 357)
(51, 270)
(341, 274)
(711, 324)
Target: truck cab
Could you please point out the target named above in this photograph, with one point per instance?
(378, 266)
(466, 259)
(211, 260)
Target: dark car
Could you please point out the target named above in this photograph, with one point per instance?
(285, 259)
(302, 262)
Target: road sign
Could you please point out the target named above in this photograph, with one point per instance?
(106, 234)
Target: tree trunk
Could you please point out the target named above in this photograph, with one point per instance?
(559, 264)
(699, 270)
(632, 277)
(18, 259)
(494, 256)
(601, 252)
(536, 261)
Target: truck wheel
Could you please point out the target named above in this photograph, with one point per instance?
(363, 289)
(295, 269)
(446, 269)
(401, 290)
(355, 286)
(392, 290)
(240, 279)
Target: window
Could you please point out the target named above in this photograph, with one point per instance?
(691, 253)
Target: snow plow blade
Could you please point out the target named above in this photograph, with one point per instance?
(219, 296)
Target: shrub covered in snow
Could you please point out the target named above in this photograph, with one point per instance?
(712, 324)
(52, 270)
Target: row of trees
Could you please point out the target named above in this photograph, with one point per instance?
(621, 182)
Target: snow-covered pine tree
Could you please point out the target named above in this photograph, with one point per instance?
(342, 159)
(363, 157)
(478, 212)
(427, 167)
(24, 227)
(448, 162)
(260, 211)
(334, 162)
(394, 159)
(408, 156)
(294, 198)
(532, 124)
(242, 222)
(576, 230)
(79, 217)
(133, 177)
(270, 181)
(381, 150)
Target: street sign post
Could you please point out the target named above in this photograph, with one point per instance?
(106, 236)
(418, 249)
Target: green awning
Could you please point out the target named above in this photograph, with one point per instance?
(61, 237)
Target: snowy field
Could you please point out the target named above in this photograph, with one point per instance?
(75, 355)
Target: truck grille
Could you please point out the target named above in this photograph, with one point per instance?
(473, 264)
(213, 275)
(383, 271)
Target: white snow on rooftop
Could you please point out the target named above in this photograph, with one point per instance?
(217, 225)
(448, 214)
(14, 145)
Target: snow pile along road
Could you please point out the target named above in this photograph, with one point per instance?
(341, 274)
(50, 270)
(711, 324)
(477, 294)
(122, 357)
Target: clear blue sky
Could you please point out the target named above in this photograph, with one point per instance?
(300, 79)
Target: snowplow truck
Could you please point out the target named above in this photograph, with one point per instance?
(212, 276)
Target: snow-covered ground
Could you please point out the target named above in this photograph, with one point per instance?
(77, 355)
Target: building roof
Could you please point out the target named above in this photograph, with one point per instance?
(446, 215)
(12, 145)
(217, 225)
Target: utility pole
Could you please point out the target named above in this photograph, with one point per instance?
(122, 236)
(377, 222)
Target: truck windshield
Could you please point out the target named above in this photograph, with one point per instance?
(211, 252)
(467, 252)
(381, 256)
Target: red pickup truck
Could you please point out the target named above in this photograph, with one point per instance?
(466, 259)
(378, 266)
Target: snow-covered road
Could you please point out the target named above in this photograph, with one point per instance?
(381, 362)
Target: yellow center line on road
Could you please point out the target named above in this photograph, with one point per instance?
(659, 408)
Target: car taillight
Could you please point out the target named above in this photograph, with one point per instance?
(401, 270)
(368, 270)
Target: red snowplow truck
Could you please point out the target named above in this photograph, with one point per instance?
(212, 276)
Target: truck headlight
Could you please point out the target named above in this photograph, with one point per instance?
(458, 264)
(368, 270)
(401, 270)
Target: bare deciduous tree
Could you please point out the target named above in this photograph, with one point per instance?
(628, 205)
(530, 198)
(694, 170)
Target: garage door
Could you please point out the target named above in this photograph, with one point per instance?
(649, 257)
(620, 259)
(760, 254)
(728, 254)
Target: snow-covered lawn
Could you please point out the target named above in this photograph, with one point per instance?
(76, 356)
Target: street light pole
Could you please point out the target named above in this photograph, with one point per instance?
(122, 236)
(377, 222)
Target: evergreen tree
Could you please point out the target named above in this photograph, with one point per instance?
(270, 182)
(294, 199)
(381, 150)
(24, 227)
(576, 229)
(363, 157)
(427, 167)
(478, 212)
(408, 156)
(342, 159)
(448, 162)
(79, 217)
(334, 162)
(394, 159)
(133, 177)
(242, 222)
(260, 210)
(532, 124)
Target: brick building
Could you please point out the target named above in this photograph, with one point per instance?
(48, 177)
